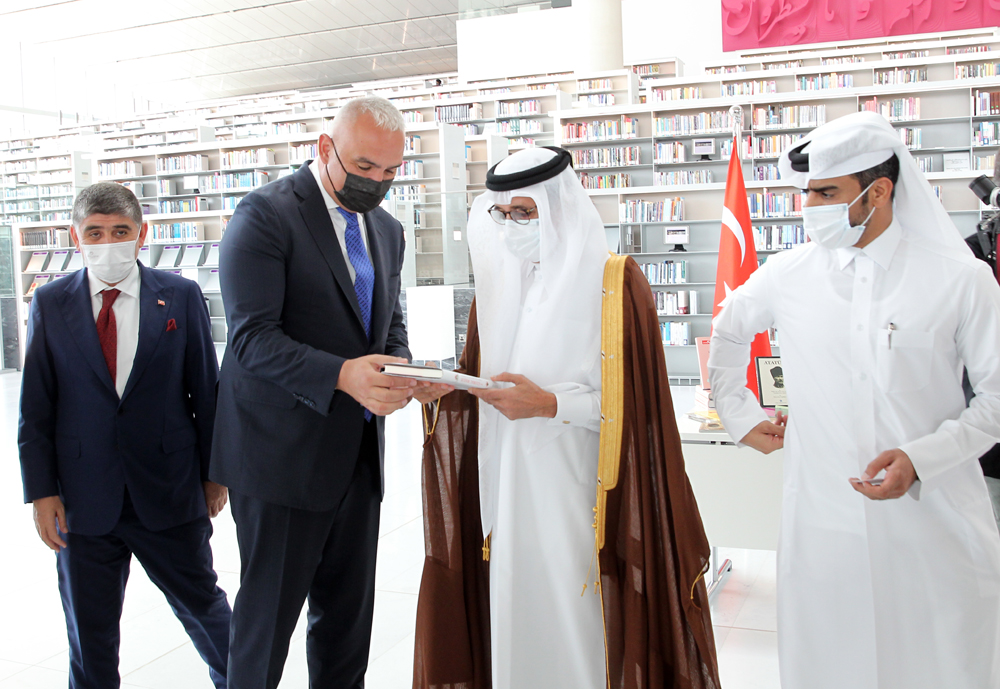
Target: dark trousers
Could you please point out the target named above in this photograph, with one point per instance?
(289, 555)
(93, 571)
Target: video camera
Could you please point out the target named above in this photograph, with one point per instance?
(987, 230)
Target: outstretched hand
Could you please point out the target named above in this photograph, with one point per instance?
(766, 437)
(523, 401)
(899, 476)
(378, 393)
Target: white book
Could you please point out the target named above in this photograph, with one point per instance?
(212, 281)
(436, 375)
(59, 260)
(75, 261)
(36, 283)
(58, 275)
(191, 257)
(190, 273)
(144, 254)
(168, 259)
(37, 262)
(213, 255)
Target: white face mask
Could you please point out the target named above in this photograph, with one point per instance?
(830, 226)
(524, 241)
(109, 263)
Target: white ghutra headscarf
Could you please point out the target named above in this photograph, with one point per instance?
(857, 142)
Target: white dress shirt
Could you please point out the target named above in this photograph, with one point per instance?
(339, 221)
(878, 594)
(126, 310)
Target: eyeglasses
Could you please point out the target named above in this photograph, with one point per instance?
(519, 215)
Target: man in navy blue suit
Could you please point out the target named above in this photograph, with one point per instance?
(117, 412)
(310, 270)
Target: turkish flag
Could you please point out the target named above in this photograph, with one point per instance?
(737, 255)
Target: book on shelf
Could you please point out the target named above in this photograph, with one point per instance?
(643, 211)
(191, 256)
(120, 168)
(665, 272)
(681, 177)
(212, 259)
(900, 76)
(750, 88)
(774, 205)
(245, 158)
(36, 283)
(894, 109)
(185, 163)
(458, 113)
(411, 145)
(702, 343)
(789, 117)
(675, 333)
(821, 82)
(980, 71)
(59, 260)
(778, 237)
(616, 181)
(680, 303)
(212, 283)
(716, 122)
(599, 130)
(143, 256)
(517, 108)
(606, 157)
(987, 103)
(169, 256)
(36, 263)
(193, 205)
(75, 261)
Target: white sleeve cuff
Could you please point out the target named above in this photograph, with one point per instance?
(576, 409)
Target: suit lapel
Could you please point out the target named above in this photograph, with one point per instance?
(317, 219)
(152, 322)
(78, 310)
(376, 245)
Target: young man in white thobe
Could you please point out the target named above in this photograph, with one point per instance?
(891, 585)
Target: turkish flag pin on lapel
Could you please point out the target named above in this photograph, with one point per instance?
(160, 302)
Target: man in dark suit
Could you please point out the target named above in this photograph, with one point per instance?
(117, 410)
(310, 271)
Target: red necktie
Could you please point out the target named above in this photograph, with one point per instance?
(107, 332)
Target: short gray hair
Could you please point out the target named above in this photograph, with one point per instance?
(385, 114)
(106, 198)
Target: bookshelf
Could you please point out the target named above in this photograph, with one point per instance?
(641, 149)
(657, 186)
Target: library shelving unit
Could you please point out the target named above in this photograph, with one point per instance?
(653, 188)
(657, 69)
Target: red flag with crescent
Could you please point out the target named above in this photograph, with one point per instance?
(737, 254)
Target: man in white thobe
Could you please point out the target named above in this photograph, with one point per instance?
(889, 557)
(538, 446)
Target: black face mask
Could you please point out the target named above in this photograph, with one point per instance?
(359, 194)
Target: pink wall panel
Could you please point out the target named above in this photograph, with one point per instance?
(748, 24)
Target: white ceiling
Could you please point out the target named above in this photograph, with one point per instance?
(96, 55)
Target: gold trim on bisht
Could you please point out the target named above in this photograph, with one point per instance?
(612, 386)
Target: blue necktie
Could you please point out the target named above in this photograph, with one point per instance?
(364, 273)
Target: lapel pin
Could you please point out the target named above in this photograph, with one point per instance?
(160, 302)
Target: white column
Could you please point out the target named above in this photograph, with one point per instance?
(598, 35)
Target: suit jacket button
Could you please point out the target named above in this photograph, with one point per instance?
(121, 411)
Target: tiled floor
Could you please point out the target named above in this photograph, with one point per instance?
(156, 653)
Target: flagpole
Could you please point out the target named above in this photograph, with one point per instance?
(736, 120)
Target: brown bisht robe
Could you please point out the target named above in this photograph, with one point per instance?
(653, 550)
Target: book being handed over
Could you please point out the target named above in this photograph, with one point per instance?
(429, 374)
